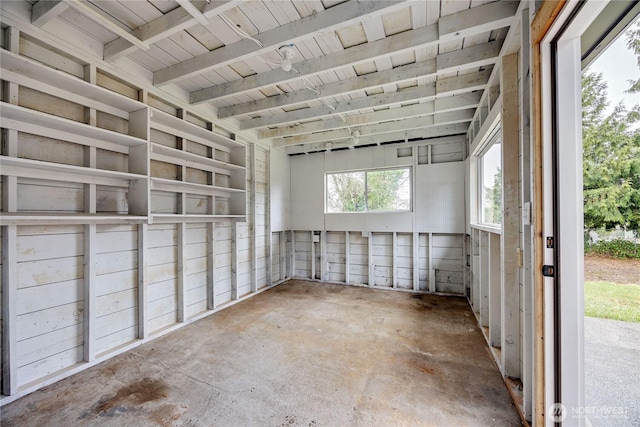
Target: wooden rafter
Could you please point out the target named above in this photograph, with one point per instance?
(424, 133)
(335, 17)
(462, 116)
(448, 86)
(473, 57)
(450, 103)
(484, 17)
(160, 28)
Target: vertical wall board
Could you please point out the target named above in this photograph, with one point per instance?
(382, 259)
(196, 259)
(423, 259)
(162, 276)
(307, 190)
(336, 258)
(302, 254)
(484, 279)
(448, 262)
(404, 260)
(223, 260)
(495, 297)
(475, 271)
(50, 298)
(441, 198)
(275, 257)
(116, 286)
(34, 195)
(359, 258)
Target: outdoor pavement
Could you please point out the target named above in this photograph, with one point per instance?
(612, 372)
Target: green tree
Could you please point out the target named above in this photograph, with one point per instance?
(493, 200)
(633, 44)
(383, 190)
(611, 162)
(345, 192)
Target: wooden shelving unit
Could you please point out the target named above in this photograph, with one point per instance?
(211, 155)
(223, 164)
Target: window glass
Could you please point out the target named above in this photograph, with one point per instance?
(389, 190)
(491, 181)
(375, 190)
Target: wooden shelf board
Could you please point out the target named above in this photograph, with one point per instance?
(27, 72)
(169, 155)
(27, 168)
(38, 123)
(169, 218)
(37, 218)
(175, 126)
(162, 184)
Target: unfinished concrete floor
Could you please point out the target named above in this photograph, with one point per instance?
(300, 354)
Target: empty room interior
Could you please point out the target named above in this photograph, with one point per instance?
(281, 212)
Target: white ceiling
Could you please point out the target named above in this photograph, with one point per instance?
(392, 70)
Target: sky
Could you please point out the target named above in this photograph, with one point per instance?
(618, 65)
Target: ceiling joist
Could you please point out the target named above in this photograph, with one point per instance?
(482, 18)
(451, 117)
(424, 133)
(165, 26)
(45, 10)
(448, 86)
(440, 105)
(339, 16)
(473, 57)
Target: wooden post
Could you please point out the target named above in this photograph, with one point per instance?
(372, 267)
(267, 218)
(90, 75)
(484, 278)
(416, 261)
(432, 271)
(211, 266)
(252, 219)
(89, 293)
(234, 260)
(324, 263)
(526, 158)
(394, 262)
(143, 236)
(510, 238)
(292, 255)
(313, 256)
(9, 310)
(495, 288)
(347, 258)
(182, 274)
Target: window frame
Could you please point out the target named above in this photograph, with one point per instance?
(495, 137)
(366, 190)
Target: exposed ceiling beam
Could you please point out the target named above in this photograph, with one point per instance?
(166, 25)
(479, 21)
(462, 116)
(451, 85)
(424, 133)
(440, 105)
(338, 16)
(45, 10)
(193, 11)
(101, 18)
(476, 56)
(497, 14)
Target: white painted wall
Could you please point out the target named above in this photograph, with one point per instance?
(280, 188)
(438, 196)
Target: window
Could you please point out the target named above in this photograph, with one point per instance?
(491, 183)
(383, 190)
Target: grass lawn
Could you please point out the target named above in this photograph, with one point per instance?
(612, 301)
